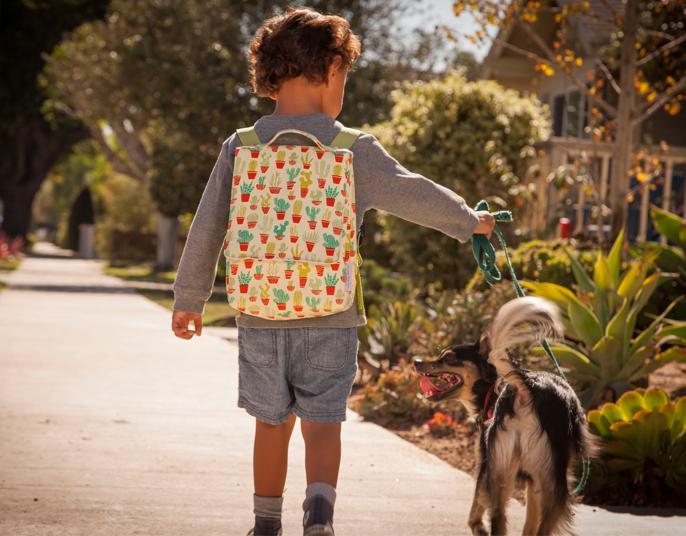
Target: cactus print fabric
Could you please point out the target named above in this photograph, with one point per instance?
(290, 244)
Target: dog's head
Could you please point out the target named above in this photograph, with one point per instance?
(461, 372)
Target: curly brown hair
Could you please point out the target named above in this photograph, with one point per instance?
(300, 41)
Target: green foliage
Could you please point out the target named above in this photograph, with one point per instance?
(330, 241)
(538, 260)
(475, 138)
(244, 278)
(246, 188)
(390, 331)
(127, 207)
(393, 399)
(331, 191)
(644, 446)
(330, 280)
(600, 320)
(280, 295)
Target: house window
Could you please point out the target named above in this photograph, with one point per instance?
(569, 114)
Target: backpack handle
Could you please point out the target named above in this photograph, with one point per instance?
(294, 131)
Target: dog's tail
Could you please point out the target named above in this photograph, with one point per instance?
(521, 320)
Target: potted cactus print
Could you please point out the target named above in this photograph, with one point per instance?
(296, 252)
(331, 193)
(296, 215)
(326, 219)
(265, 202)
(282, 251)
(252, 169)
(316, 286)
(281, 206)
(306, 160)
(281, 298)
(275, 184)
(234, 268)
(265, 226)
(244, 238)
(264, 163)
(288, 272)
(335, 266)
(253, 202)
(320, 270)
(303, 272)
(328, 303)
(310, 240)
(264, 294)
(252, 220)
(280, 230)
(298, 301)
(240, 217)
(238, 169)
(292, 174)
(248, 263)
(254, 151)
(330, 244)
(252, 297)
(336, 176)
(280, 159)
(339, 296)
(313, 303)
(316, 197)
(337, 226)
(330, 283)
(258, 272)
(294, 234)
(339, 212)
(305, 182)
(241, 303)
(270, 250)
(243, 280)
(260, 182)
(312, 216)
(292, 158)
(272, 273)
(338, 156)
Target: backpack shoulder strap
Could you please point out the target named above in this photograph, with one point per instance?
(345, 138)
(248, 136)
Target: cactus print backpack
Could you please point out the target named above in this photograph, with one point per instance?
(290, 247)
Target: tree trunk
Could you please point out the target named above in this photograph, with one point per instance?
(623, 147)
(167, 235)
(31, 148)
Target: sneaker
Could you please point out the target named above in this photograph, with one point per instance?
(318, 518)
(266, 527)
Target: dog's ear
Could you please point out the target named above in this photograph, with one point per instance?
(484, 346)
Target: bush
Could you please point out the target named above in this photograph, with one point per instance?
(644, 449)
(539, 260)
(475, 138)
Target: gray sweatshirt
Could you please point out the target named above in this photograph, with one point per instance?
(381, 182)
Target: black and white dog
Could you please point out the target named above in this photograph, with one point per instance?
(533, 426)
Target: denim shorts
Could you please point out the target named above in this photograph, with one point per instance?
(305, 371)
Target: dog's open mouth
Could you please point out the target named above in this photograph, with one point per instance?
(437, 385)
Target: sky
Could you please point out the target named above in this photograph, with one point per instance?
(441, 12)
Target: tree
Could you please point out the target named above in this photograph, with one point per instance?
(641, 70)
(31, 143)
(171, 83)
(476, 138)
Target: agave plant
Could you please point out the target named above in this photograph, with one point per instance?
(604, 355)
(644, 439)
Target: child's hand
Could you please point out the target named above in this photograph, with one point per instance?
(180, 322)
(485, 225)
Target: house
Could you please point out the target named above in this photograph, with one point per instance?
(663, 135)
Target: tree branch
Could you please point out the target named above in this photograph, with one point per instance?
(661, 100)
(609, 76)
(673, 43)
(551, 57)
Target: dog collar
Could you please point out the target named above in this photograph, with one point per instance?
(487, 411)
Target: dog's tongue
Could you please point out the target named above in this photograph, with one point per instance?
(426, 385)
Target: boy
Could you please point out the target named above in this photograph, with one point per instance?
(303, 367)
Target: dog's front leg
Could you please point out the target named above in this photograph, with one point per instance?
(476, 513)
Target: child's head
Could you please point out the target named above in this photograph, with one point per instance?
(303, 51)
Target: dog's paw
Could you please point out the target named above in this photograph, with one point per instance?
(478, 529)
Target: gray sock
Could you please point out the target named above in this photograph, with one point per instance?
(267, 507)
(320, 488)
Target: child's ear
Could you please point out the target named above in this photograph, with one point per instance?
(334, 68)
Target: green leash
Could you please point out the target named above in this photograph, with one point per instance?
(484, 253)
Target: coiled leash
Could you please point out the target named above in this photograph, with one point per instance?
(484, 254)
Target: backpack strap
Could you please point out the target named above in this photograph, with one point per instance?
(345, 138)
(248, 136)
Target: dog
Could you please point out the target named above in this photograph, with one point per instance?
(532, 424)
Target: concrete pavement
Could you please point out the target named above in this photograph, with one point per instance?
(112, 426)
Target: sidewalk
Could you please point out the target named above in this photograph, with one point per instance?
(112, 426)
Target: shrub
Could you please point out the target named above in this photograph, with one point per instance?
(644, 448)
(393, 399)
(475, 138)
(538, 260)
(603, 354)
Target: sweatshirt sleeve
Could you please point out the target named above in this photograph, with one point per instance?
(198, 265)
(391, 187)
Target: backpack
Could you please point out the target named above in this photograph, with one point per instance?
(290, 247)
